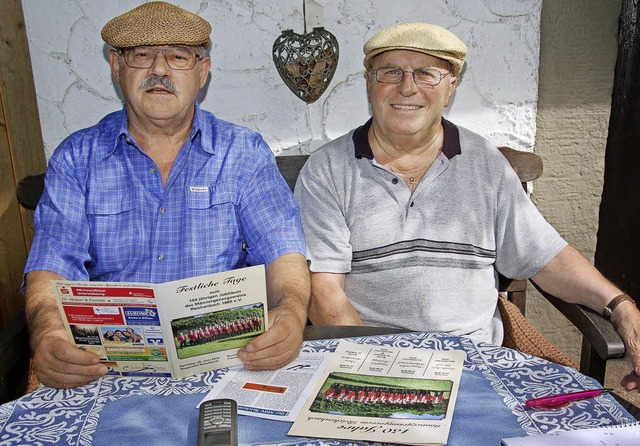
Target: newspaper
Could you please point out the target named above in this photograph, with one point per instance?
(275, 395)
(616, 435)
(173, 329)
(384, 394)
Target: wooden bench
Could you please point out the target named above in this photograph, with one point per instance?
(600, 342)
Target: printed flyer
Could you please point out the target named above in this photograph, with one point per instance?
(384, 394)
(272, 394)
(173, 329)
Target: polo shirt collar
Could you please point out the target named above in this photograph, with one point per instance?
(450, 148)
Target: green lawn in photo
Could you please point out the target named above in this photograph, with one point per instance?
(403, 383)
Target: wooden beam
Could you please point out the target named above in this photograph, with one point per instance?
(619, 218)
(21, 152)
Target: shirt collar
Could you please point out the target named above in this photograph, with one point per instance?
(123, 132)
(198, 130)
(451, 145)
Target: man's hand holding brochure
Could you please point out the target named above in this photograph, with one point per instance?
(172, 329)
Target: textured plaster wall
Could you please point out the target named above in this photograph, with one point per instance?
(577, 60)
(496, 96)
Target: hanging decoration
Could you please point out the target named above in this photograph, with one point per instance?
(306, 63)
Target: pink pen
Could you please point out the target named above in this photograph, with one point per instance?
(554, 401)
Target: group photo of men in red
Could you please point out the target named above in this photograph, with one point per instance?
(214, 332)
(383, 397)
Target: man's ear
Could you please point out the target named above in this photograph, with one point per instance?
(114, 63)
(368, 83)
(451, 89)
(205, 68)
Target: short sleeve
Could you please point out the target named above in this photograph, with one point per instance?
(323, 215)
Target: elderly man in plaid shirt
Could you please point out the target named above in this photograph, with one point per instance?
(161, 191)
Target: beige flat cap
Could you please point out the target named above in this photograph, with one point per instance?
(156, 23)
(422, 37)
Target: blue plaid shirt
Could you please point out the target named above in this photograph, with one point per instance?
(105, 214)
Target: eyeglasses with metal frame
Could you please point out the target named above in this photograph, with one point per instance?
(177, 57)
(425, 76)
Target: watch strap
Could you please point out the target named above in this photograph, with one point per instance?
(607, 311)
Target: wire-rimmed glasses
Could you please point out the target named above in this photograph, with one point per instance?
(177, 57)
(425, 76)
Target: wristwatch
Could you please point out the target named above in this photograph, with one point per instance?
(607, 311)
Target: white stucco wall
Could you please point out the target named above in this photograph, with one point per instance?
(496, 96)
(579, 45)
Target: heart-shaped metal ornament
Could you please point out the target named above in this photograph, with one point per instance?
(306, 62)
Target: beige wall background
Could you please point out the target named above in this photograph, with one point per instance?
(578, 49)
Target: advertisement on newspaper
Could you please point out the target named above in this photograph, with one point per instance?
(272, 394)
(172, 329)
(384, 394)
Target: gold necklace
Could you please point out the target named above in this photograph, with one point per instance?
(414, 179)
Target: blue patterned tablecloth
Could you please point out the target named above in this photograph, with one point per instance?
(157, 411)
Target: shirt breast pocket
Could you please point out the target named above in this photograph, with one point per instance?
(118, 232)
(214, 227)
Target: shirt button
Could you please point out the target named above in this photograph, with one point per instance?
(160, 256)
(128, 140)
(152, 170)
(163, 210)
(394, 181)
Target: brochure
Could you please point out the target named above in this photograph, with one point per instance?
(274, 395)
(384, 394)
(173, 329)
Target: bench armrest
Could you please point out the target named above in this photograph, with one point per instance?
(600, 341)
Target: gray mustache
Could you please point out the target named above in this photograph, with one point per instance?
(164, 82)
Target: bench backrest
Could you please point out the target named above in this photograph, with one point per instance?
(527, 165)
